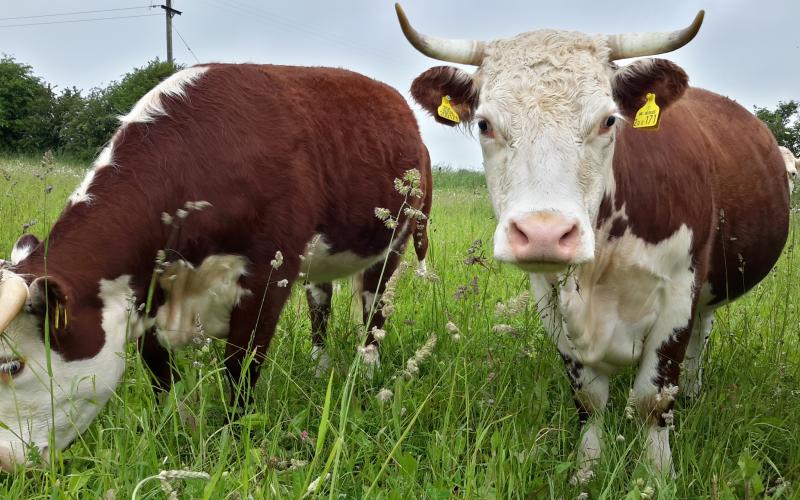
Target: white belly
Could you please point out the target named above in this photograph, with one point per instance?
(320, 266)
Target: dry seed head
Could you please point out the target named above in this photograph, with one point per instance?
(277, 261)
(378, 333)
(451, 328)
(384, 395)
(382, 213)
(283, 283)
(504, 329)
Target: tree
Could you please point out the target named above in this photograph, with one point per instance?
(26, 104)
(784, 122)
(92, 126)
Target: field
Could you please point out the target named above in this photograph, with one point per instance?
(488, 415)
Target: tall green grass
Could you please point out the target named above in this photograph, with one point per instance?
(488, 416)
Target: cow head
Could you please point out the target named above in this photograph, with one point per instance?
(548, 105)
(792, 164)
(49, 396)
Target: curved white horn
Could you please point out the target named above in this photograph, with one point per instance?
(625, 45)
(13, 294)
(444, 49)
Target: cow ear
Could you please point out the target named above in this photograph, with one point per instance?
(429, 88)
(47, 293)
(23, 247)
(633, 82)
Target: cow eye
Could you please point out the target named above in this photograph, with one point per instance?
(11, 367)
(484, 127)
(608, 123)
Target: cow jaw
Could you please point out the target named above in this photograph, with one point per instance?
(41, 411)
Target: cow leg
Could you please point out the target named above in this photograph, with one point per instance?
(693, 363)
(590, 392)
(373, 286)
(157, 359)
(319, 307)
(253, 323)
(656, 386)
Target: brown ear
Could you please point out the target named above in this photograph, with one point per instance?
(26, 244)
(633, 82)
(49, 295)
(429, 88)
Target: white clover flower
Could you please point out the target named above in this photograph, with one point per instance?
(283, 283)
(277, 261)
(384, 395)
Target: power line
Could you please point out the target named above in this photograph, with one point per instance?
(186, 44)
(77, 20)
(75, 13)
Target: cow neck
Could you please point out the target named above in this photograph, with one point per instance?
(93, 241)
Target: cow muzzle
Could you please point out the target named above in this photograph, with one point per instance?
(543, 241)
(14, 457)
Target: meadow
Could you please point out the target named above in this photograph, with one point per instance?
(489, 413)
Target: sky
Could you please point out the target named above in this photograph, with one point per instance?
(746, 50)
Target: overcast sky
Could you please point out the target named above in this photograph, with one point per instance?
(747, 50)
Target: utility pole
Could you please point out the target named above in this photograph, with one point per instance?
(169, 11)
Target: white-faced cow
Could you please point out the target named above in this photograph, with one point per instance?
(792, 164)
(271, 159)
(632, 238)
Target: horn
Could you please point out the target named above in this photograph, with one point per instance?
(445, 49)
(13, 294)
(626, 45)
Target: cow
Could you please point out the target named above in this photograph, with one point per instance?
(791, 164)
(632, 237)
(233, 181)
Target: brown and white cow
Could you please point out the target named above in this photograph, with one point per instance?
(271, 159)
(632, 238)
(792, 164)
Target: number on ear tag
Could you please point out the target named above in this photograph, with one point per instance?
(446, 111)
(649, 116)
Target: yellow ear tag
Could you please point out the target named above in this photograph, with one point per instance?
(446, 111)
(649, 116)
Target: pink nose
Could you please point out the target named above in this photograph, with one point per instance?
(8, 459)
(544, 237)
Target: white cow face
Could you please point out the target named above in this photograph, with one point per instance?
(47, 400)
(792, 164)
(548, 106)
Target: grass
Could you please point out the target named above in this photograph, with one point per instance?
(488, 416)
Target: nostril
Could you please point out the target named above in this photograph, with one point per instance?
(517, 236)
(570, 238)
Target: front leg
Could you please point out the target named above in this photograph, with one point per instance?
(656, 387)
(319, 307)
(158, 361)
(590, 391)
(589, 386)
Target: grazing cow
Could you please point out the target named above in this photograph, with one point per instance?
(270, 159)
(632, 238)
(792, 165)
